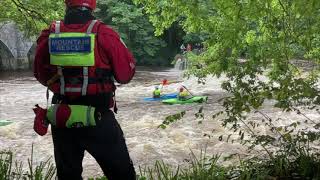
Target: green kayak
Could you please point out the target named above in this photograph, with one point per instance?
(194, 99)
(5, 122)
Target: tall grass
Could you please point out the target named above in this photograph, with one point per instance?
(199, 167)
(204, 168)
(14, 170)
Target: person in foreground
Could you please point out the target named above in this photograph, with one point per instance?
(78, 59)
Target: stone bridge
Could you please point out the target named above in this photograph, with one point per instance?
(16, 51)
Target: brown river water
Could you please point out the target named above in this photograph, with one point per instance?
(19, 92)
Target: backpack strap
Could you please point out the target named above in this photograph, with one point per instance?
(57, 27)
(90, 27)
(85, 72)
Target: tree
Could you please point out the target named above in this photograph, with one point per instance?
(267, 33)
(247, 41)
(134, 28)
(31, 16)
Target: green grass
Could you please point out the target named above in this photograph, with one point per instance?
(14, 170)
(304, 166)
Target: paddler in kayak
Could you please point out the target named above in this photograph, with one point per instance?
(157, 92)
(184, 94)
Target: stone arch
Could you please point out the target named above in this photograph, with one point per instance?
(31, 55)
(17, 44)
(8, 36)
(7, 60)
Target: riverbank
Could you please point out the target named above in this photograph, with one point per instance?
(203, 167)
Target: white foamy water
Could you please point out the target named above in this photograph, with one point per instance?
(138, 119)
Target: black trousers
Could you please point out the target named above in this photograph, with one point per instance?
(105, 142)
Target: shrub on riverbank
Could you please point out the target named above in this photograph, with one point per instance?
(15, 170)
(306, 165)
(302, 167)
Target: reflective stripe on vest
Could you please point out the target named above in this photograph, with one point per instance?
(58, 25)
(85, 84)
(85, 81)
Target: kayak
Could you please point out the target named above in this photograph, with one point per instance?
(5, 122)
(163, 97)
(194, 99)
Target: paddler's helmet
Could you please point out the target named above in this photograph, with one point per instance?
(92, 4)
(156, 87)
(181, 89)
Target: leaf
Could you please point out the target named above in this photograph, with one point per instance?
(162, 126)
(287, 137)
(171, 119)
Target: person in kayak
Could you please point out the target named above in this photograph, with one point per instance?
(156, 92)
(78, 59)
(183, 94)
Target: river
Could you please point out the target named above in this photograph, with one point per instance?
(19, 92)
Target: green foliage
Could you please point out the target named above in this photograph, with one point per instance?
(304, 165)
(13, 170)
(253, 43)
(201, 168)
(266, 33)
(194, 38)
(5, 165)
(31, 16)
(204, 168)
(134, 28)
(102, 178)
(171, 119)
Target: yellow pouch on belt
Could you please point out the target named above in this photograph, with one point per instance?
(71, 116)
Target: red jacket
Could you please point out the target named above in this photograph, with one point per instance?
(110, 48)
